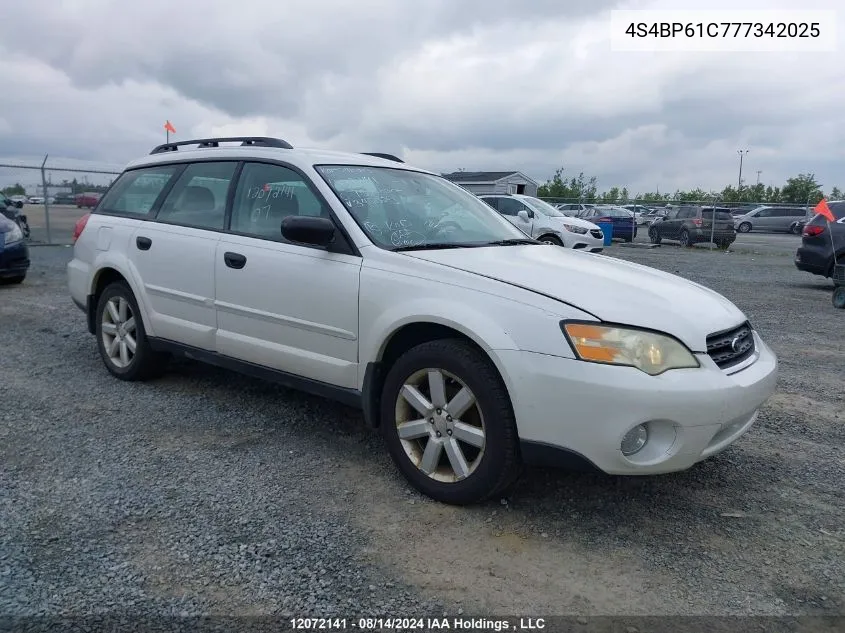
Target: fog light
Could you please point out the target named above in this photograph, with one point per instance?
(634, 440)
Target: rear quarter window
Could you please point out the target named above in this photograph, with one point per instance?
(135, 192)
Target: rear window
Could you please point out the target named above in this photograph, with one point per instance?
(725, 216)
(135, 192)
(838, 209)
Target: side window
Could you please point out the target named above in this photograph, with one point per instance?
(199, 196)
(136, 191)
(764, 213)
(493, 202)
(266, 195)
(509, 206)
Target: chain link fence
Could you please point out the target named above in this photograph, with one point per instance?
(55, 194)
(661, 204)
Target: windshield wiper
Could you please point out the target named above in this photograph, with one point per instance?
(512, 242)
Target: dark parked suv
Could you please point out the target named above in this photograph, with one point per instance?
(815, 255)
(691, 225)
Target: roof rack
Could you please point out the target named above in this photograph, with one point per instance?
(257, 141)
(395, 159)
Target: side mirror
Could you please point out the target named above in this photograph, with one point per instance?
(308, 230)
(523, 215)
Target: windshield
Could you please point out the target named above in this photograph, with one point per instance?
(543, 207)
(399, 208)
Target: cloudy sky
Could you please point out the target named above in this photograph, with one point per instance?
(481, 85)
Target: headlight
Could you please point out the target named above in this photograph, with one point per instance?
(575, 229)
(650, 352)
(15, 235)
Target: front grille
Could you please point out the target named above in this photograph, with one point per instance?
(731, 347)
(596, 233)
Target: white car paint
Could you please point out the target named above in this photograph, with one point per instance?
(325, 316)
(539, 219)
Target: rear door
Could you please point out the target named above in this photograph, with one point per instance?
(724, 220)
(174, 255)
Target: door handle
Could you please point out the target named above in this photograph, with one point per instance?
(234, 260)
(143, 243)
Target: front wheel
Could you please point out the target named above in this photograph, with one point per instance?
(654, 236)
(745, 227)
(839, 297)
(551, 239)
(686, 240)
(448, 423)
(121, 337)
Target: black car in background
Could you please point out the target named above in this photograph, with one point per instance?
(691, 225)
(14, 253)
(815, 255)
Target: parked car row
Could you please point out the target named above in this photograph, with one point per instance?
(87, 199)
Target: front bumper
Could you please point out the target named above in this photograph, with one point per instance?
(14, 259)
(585, 409)
(585, 242)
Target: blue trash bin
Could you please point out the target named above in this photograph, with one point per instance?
(607, 229)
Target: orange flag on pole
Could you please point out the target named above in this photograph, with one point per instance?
(823, 209)
(169, 127)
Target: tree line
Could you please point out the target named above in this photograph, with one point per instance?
(800, 189)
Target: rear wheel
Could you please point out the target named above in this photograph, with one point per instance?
(448, 423)
(839, 297)
(654, 236)
(723, 244)
(745, 227)
(121, 337)
(795, 229)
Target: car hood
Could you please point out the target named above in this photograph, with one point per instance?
(610, 289)
(574, 222)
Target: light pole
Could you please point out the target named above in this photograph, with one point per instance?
(741, 152)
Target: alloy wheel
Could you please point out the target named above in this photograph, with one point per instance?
(118, 331)
(440, 425)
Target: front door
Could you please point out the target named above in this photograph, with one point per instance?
(285, 306)
(510, 208)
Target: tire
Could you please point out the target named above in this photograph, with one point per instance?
(745, 227)
(493, 466)
(839, 297)
(551, 239)
(144, 363)
(654, 236)
(795, 229)
(723, 244)
(13, 280)
(685, 239)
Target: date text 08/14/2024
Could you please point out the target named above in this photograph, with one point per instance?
(417, 624)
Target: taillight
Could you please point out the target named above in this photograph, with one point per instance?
(811, 230)
(604, 220)
(696, 221)
(80, 226)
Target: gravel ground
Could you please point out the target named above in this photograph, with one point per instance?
(207, 492)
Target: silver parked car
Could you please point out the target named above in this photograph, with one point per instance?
(543, 222)
(770, 218)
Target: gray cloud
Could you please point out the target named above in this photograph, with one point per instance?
(481, 85)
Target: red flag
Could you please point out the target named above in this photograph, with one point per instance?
(169, 127)
(823, 209)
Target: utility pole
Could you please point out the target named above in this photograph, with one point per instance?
(759, 171)
(742, 153)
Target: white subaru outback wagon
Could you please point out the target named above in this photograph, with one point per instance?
(357, 277)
